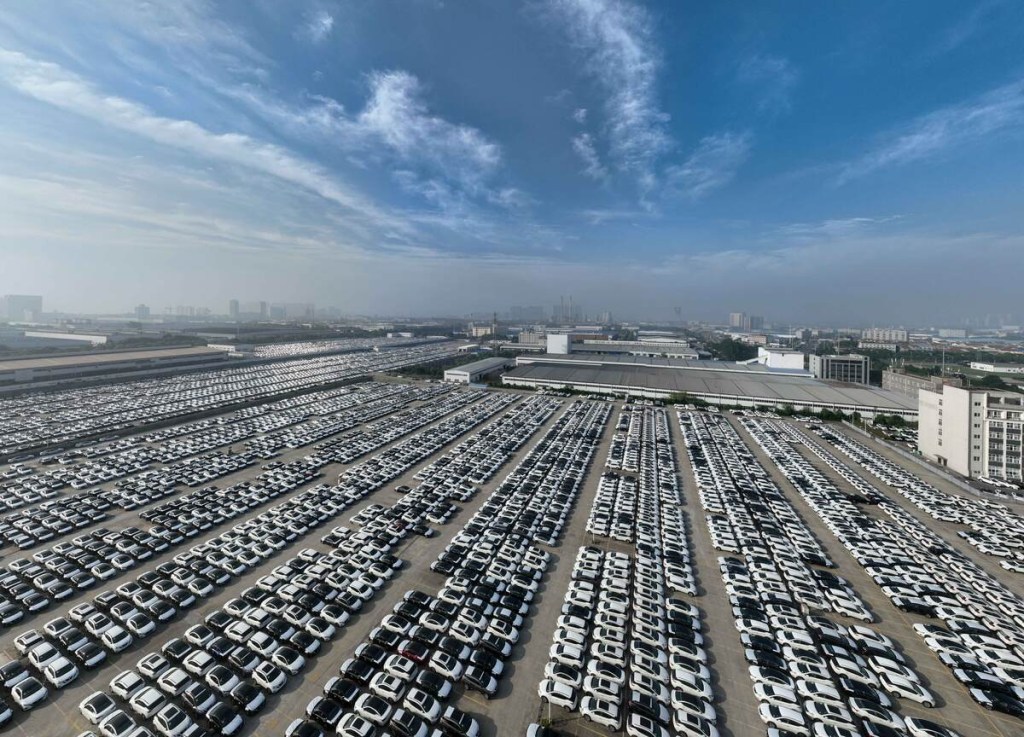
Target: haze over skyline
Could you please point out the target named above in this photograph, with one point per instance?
(851, 165)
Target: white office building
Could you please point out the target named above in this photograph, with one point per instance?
(974, 432)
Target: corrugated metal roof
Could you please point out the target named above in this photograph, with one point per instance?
(90, 359)
(485, 364)
(755, 385)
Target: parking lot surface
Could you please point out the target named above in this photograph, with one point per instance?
(410, 558)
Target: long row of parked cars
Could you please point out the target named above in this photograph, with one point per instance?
(118, 619)
(184, 518)
(992, 528)
(983, 640)
(407, 670)
(59, 516)
(627, 650)
(64, 417)
(264, 636)
(812, 675)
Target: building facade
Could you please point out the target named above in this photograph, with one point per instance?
(471, 373)
(998, 368)
(777, 358)
(974, 432)
(21, 307)
(851, 368)
(910, 385)
(885, 335)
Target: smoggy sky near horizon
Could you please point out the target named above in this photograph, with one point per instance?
(809, 162)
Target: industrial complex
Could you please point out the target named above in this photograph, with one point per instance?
(715, 382)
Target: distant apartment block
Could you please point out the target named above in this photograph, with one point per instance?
(952, 333)
(974, 432)
(874, 345)
(885, 335)
(743, 321)
(851, 368)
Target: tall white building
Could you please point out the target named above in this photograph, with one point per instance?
(975, 432)
(884, 335)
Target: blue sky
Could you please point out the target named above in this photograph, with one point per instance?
(802, 160)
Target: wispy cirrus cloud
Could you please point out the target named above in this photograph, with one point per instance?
(397, 115)
(969, 26)
(317, 26)
(54, 85)
(583, 146)
(995, 112)
(615, 38)
(712, 165)
(773, 78)
(836, 228)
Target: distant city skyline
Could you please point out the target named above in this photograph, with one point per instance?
(271, 310)
(419, 157)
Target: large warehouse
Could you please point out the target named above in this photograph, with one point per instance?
(21, 373)
(716, 382)
(471, 373)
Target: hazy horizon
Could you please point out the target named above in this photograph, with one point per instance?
(851, 165)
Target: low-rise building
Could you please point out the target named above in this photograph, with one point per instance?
(780, 358)
(998, 368)
(474, 372)
(851, 368)
(898, 380)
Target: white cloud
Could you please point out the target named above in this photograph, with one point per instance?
(948, 128)
(397, 115)
(711, 166)
(615, 37)
(774, 78)
(318, 26)
(580, 115)
(583, 145)
(56, 86)
(836, 227)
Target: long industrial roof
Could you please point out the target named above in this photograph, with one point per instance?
(752, 384)
(484, 364)
(654, 362)
(91, 359)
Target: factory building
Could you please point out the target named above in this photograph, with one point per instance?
(25, 373)
(716, 382)
(474, 372)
